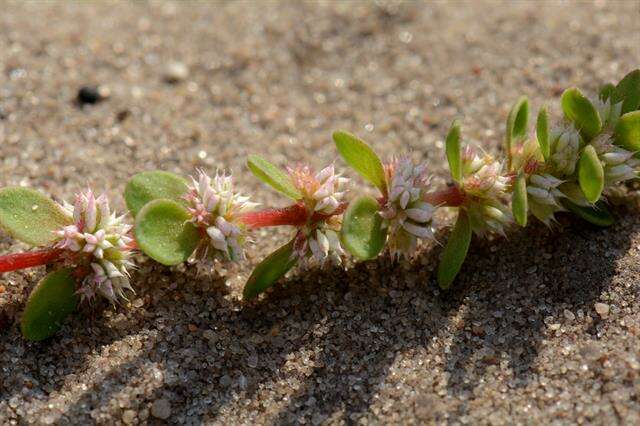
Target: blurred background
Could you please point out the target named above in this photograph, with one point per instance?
(93, 92)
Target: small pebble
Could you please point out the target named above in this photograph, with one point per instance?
(92, 94)
(602, 309)
(161, 409)
(128, 417)
(569, 315)
(176, 72)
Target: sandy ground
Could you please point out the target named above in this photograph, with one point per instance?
(517, 341)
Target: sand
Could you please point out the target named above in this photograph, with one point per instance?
(519, 339)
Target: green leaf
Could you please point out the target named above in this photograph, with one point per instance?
(362, 233)
(606, 91)
(578, 109)
(29, 216)
(154, 185)
(455, 252)
(270, 270)
(362, 158)
(273, 176)
(50, 302)
(517, 122)
(519, 203)
(628, 92)
(163, 233)
(627, 133)
(598, 215)
(452, 148)
(542, 133)
(590, 174)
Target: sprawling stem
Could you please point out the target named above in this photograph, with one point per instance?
(13, 262)
(294, 215)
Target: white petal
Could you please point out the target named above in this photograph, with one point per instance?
(323, 174)
(323, 242)
(404, 199)
(418, 231)
(418, 215)
(315, 249)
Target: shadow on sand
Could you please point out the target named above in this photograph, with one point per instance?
(351, 325)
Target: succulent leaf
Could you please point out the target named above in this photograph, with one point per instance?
(270, 270)
(359, 155)
(362, 233)
(145, 187)
(579, 110)
(30, 216)
(453, 151)
(273, 176)
(164, 233)
(50, 302)
(590, 174)
(455, 251)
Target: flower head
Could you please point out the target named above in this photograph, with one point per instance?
(216, 208)
(322, 196)
(485, 188)
(102, 238)
(544, 196)
(608, 111)
(618, 163)
(321, 192)
(565, 149)
(407, 216)
(319, 242)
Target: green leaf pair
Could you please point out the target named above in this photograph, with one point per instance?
(31, 217)
(277, 264)
(363, 233)
(457, 246)
(162, 231)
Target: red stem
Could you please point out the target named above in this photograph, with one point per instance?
(450, 197)
(13, 262)
(294, 215)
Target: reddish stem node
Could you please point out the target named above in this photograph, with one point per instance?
(450, 197)
(15, 261)
(294, 215)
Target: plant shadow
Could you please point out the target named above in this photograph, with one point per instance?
(329, 339)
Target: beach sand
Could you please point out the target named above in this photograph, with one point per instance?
(517, 341)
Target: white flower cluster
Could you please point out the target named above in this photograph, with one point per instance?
(565, 150)
(322, 194)
(609, 112)
(321, 242)
(103, 238)
(485, 188)
(618, 163)
(214, 206)
(407, 216)
(544, 196)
